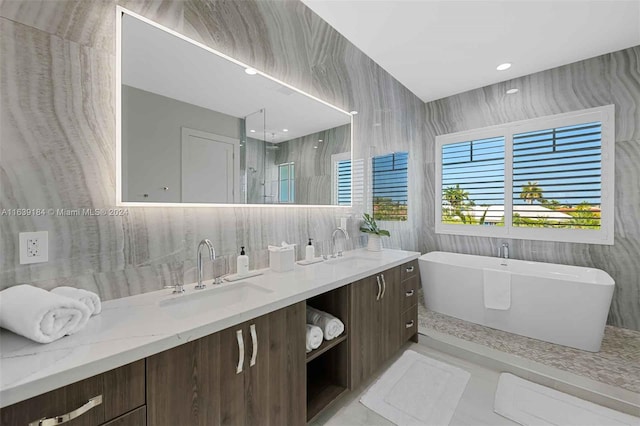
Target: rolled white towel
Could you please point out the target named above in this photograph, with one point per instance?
(314, 337)
(87, 297)
(40, 315)
(331, 326)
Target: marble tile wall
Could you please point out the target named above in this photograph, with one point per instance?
(609, 79)
(57, 134)
(313, 165)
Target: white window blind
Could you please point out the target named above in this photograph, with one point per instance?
(557, 177)
(343, 182)
(473, 181)
(549, 178)
(389, 186)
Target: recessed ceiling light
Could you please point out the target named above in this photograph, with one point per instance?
(251, 71)
(252, 131)
(512, 91)
(320, 140)
(315, 147)
(353, 112)
(285, 130)
(504, 66)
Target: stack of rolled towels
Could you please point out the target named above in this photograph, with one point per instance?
(321, 325)
(45, 316)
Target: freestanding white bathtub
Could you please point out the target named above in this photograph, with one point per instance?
(567, 305)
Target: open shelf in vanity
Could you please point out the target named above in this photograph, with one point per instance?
(328, 365)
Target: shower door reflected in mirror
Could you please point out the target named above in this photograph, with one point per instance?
(198, 127)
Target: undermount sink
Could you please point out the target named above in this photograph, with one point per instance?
(353, 260)
(199, 301)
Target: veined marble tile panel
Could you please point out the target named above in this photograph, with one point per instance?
(88, 23)
(625, 91)
(154, 235)
(571, 87)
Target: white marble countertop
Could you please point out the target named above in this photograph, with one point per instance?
(136, 327)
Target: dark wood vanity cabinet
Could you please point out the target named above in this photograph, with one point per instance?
(381, 321)
(250, 374)
(102, 399)
(254, 373)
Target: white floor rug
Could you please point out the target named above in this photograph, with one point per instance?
(532, 404)
(417, 390)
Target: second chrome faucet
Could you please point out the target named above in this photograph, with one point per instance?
(212, 256)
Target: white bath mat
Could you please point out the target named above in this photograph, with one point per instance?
(417, 390)
(532, 404)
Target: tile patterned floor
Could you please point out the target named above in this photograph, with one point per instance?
(474, 409)
(617, 363)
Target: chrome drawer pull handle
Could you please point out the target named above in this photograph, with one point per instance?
(254, 342)
(58, 420)
(384, 286)
(379, 287)
(240, 352)
(409, 293)
(409, 324)
(409, 269)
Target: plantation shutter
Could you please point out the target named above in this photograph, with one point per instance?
(389, 189)
(343, 187)
(557, 178)
(473, 182)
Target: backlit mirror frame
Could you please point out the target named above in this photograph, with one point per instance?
(120, 12)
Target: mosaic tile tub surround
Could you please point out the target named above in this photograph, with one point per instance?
(617, 363)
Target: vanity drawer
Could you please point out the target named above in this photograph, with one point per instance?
(409, 270)
(95, 400)
(137, 417)
(409, 295)
(409, 323)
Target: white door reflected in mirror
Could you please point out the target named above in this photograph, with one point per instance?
(210, 168)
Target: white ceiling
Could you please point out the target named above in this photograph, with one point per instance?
(438, 48)
(162, 63)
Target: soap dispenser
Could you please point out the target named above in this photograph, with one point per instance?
(242, 263)
(310, 252)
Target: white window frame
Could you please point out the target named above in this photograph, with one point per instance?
(335, 158)
(604, 235)
(289, 182)
(372, 189)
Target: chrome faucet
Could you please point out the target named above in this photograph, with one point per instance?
(503, 251)
(212, 256)
(333, 241)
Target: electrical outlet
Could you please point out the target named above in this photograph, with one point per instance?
(34, 247)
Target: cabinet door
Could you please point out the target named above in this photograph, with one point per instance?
(234, 344)
(275, 378)
(366, 323)
(183, 384)
(391, 310)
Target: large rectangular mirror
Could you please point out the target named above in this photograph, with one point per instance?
(198, 127)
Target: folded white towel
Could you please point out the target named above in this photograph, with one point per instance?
(331, 326)
(87, 297)
(40, 315)
(314, 337)
(497, 289)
